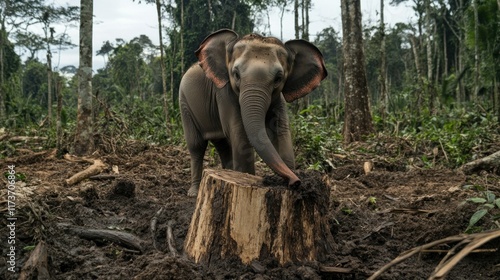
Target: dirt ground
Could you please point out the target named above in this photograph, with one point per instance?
(374, 217)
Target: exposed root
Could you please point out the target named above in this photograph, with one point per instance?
(37, 266)
(121, 238)
(153, 223)
(170, 239)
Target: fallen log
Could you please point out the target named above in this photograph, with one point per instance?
(97, 167)
(237, 215)
(37, 266)
(121, 238)
(487, 163)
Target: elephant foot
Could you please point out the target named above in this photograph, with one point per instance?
(193, 191)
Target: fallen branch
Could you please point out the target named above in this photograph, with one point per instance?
(473, 241)
(96, 168)
(33, 157)
(76, 159)
(121, 238)
(489, 162)
(106, 176)
(37, 266)
(153, 223)
(170, 239)
(26, 138)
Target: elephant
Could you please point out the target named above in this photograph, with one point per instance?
(235, 97)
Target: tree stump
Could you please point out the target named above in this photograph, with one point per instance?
(237, 215)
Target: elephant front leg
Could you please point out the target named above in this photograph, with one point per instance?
(197, 154)
(243, 155)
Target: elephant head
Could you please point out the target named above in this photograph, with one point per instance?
(259, 69)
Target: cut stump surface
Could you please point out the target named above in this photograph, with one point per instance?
(237, 215)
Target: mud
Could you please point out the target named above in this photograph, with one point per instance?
(373, 218)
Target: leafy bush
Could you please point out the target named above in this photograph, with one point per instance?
(313, 137)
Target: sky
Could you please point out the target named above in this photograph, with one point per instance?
(126, 19)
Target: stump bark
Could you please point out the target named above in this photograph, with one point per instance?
(237, 215)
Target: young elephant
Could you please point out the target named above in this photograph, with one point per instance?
(235, 97)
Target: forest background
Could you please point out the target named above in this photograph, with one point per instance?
(433, 82)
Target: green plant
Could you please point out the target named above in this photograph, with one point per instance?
(347, 210)
(313, 137)
(486, 204)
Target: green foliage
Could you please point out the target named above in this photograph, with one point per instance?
(313, 138)
(488, 203)
(458, 134)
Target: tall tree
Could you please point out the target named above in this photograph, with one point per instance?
(384, 97)
(84, 143)
(358, 120)
(162, 64)
(296, 19)
(477, 56)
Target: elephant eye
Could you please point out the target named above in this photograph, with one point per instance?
(278, 79)
(236, 75)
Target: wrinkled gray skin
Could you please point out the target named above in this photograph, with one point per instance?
(235, 97)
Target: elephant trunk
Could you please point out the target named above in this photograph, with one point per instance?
(254, 105)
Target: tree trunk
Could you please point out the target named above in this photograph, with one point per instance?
(233, 21)
(476, 51)
(49, 87)
(84, 143)
(384, 99)
(182, 38)
(414, 48)
(58, 118)
(162, 66)
(282, 13)
(296, 19)
(358, 119)
(237, 216)
(428, 44)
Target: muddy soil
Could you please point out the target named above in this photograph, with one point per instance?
(374, 217)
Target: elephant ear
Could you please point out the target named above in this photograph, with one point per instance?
(212, 55)
(307, 72)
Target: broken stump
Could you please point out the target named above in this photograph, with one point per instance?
(237, 215)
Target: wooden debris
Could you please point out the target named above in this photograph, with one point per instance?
(473, 241)
(170, 239)
(368, 167)
(121, 238)
(236, 215)
(33, 157)
(26, 138)
(489, 162)
(37, 266)
(97, 167)
(105, 177)
(334, 269)
(152, 227)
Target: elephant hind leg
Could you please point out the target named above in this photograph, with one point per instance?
(196, 145)
(224, 150)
